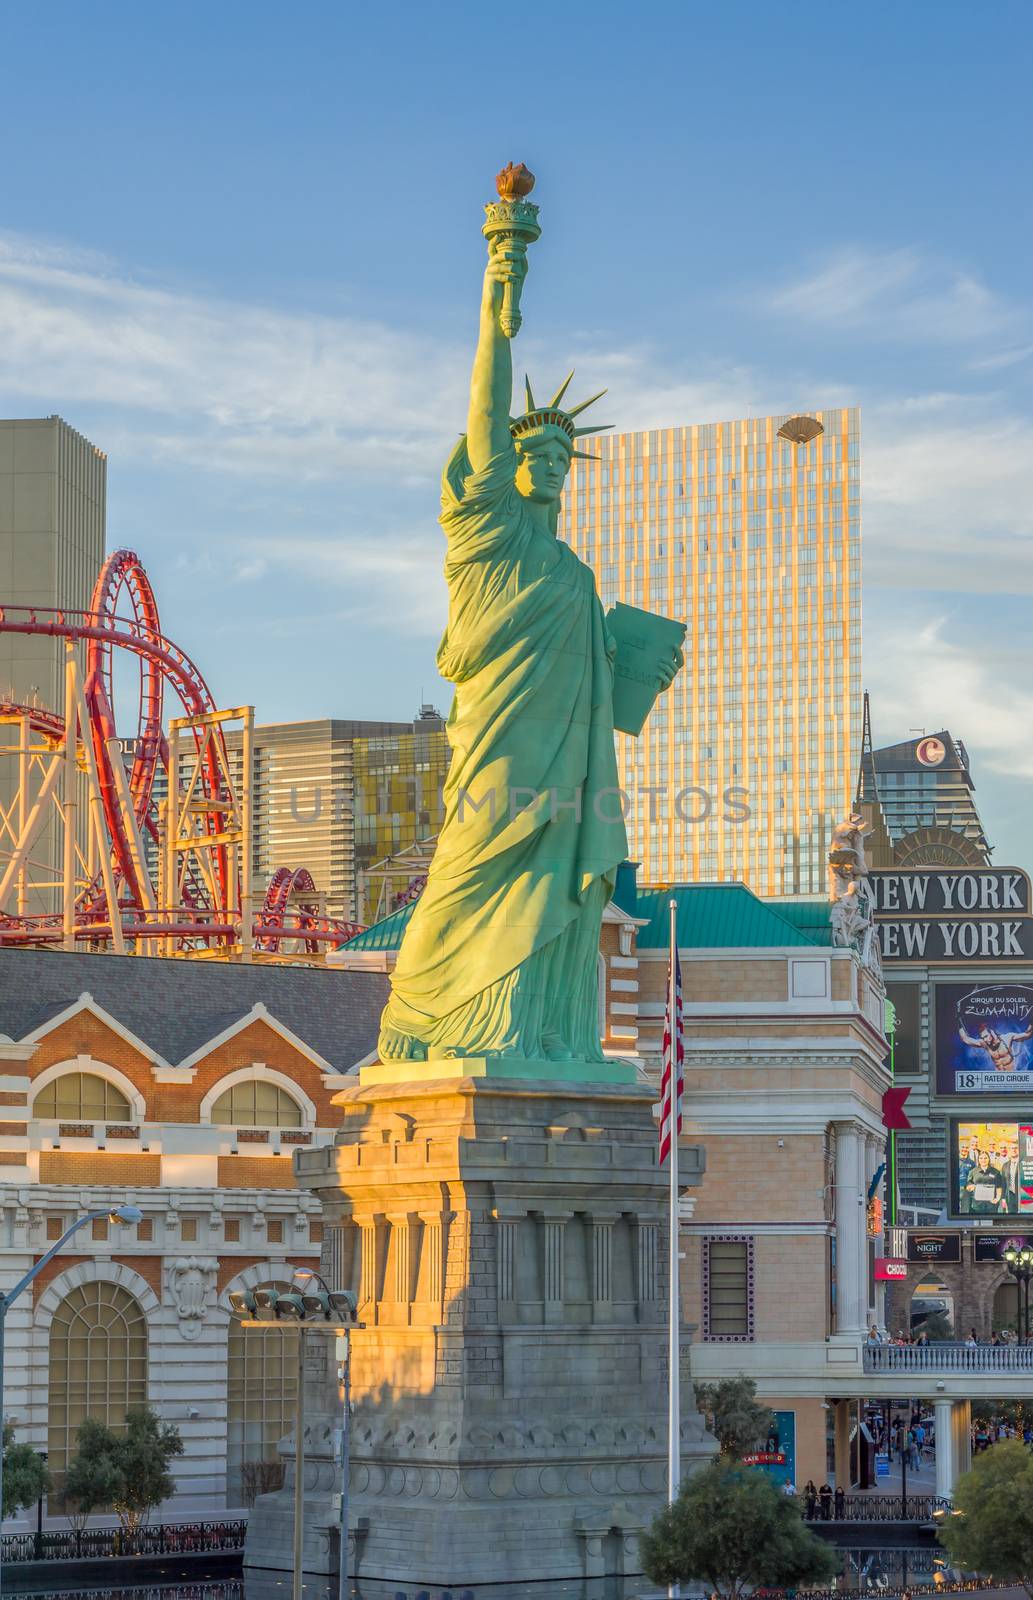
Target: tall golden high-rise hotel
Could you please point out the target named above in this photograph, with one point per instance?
(753, 540)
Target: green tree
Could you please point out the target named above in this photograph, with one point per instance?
(26, 1478)
(128, 1470)
(93, 1478)
(992, 1533)
(733, 1529)
(737, 1421)
(144, 1453)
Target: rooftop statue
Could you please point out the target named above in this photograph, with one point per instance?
(499, 958)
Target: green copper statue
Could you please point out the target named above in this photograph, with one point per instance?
(500, 956)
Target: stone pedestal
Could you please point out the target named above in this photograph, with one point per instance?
(506, 1239)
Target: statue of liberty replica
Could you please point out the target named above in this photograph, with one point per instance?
(493, 1196)
(499, 958)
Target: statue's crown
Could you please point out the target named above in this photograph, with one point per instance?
(537, 420)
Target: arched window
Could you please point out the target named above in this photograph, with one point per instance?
(256, 1104)
(82, 1097)
(98, 1364)
(261, 1397)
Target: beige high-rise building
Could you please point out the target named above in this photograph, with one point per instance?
(335, 796)
(53, 486)
(753, 540)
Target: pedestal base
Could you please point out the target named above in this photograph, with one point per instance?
(507, 1243)
(514, 1069)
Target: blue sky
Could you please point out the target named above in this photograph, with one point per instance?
(239, 248)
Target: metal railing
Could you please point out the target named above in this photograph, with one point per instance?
(158, 1539)
(948, 1358)
(872, 1508)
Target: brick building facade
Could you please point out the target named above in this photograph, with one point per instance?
(183, 1088)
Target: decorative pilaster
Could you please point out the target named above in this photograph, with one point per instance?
(647, 1287)
(553, 1225)
(505, 1260)
(369, 1263)
(401, 1238)
(602, 1268)
(433, 1251)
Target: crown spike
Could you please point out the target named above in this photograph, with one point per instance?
(529, 393)
(600, 427)
(583, 455)
(575, 410)
(561, 391)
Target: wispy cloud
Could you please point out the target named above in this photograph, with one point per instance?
(897, 295)
(963, 669)
(221, 384)
(947, 497)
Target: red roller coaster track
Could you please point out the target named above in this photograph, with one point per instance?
(290, 912)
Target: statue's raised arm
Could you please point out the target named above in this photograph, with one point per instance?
(512, 223)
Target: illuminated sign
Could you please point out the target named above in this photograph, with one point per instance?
(984, 1038)
(992, 1168)
(944, 1247)
(874, 1217)
(982, 914)
(991, 1246)
(888, 1269)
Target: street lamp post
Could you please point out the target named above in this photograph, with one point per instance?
(1020, 1264)
(902, 1433)
(118, 1214)
(327, 1312)
(344, 1394)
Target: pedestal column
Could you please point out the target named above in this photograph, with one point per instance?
(962, 1428)
(943, 1416)
(850, 1229)
(481, 1451)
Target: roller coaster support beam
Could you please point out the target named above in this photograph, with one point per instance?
(98, 833)
(29, 833)
(24, 744)
(69, 808)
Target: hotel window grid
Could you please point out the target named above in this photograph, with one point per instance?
(256, 1104)
(98, 1365)
(735, 540)
(261, 1396)
(82, 1097)
(728, 1289)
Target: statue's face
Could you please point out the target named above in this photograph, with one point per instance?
(542, 470)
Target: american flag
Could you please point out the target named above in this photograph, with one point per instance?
(672, 1027)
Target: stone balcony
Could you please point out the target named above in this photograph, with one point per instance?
(948, 1358)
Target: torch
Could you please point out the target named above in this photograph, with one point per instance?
(512, 220)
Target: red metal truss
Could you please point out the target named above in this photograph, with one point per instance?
(291, 910)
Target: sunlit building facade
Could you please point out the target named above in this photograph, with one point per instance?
(753, 541)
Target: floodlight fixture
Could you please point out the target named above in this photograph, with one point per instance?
(289, 1307)
(316, 1304)
(345, 1304)
(242, 1303)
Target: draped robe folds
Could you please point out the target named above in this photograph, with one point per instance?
(500, 955)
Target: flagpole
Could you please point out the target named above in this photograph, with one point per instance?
(674, 1318)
